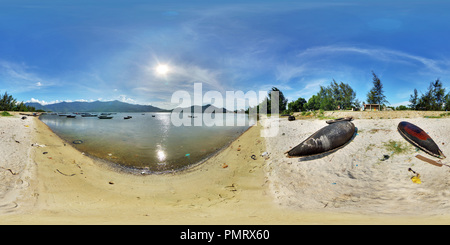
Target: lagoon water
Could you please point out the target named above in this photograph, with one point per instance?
(148, 142)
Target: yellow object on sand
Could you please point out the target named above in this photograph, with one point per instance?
(416, 179)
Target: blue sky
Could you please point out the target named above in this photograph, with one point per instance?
(108, 49)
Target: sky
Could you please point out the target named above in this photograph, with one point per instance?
(143, 51)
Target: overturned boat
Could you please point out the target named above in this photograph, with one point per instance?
(419, 138)
(327, 139)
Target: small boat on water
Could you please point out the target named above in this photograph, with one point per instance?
(105, 117)
(88, 115)
(128, 117)
(26, 114)
(71, 116)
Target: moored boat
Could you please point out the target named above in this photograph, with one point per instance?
(88, 115)
(105, 117)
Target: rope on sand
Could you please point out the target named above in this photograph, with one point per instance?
(64, 173)
(8, 169)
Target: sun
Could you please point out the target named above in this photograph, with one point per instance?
(162, 69)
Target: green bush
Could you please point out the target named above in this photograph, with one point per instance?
(6, 114)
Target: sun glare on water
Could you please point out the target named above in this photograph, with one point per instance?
(162, 69)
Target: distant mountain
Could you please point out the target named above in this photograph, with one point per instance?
(202, 109)
(96, 106)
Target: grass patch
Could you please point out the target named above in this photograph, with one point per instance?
(306, 113)
(397, 147)
(440, 115)
(6, 114)
(370, 147)
(376, 130)
(319, 114)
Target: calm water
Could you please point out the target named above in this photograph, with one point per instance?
(148, 142)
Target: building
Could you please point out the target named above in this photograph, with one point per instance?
(372, 107)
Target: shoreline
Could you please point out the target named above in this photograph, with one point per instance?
(68, 181)
(128, 169)
(66, 187)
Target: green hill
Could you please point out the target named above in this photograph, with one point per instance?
(96, 106)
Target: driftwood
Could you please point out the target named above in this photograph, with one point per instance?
(430, 161)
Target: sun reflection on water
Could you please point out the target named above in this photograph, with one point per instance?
(161, 155)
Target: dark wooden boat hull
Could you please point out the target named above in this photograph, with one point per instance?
(419, 138)
(326, 139)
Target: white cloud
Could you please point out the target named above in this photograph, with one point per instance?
(124, 98)
(82, 100)
(191, 74)
(33, 100)
(286, 72)
(160, 87)
(43, 102)
(20, 77)
(382, 54)
(311, 88)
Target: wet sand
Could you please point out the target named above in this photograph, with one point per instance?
(63, 186)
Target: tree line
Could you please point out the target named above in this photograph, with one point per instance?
(8, 103)
(434, 99)
(339, 95)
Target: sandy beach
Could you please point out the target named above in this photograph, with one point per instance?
(46, 181)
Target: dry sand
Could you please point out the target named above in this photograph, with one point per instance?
(350, 186)
(358, 178)
(16, 166)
